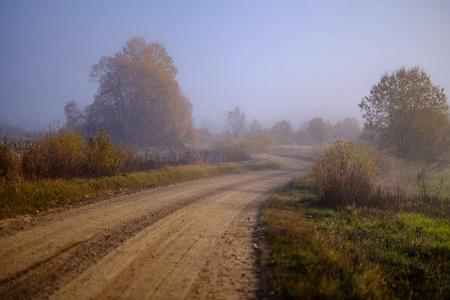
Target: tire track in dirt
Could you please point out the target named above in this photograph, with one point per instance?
(155, 244)
(71, 259)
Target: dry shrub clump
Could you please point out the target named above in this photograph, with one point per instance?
(344, 173)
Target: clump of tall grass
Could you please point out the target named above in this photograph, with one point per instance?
(344, 173)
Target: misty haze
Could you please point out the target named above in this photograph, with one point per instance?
(224, 149)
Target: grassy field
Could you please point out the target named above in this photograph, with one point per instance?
(33, 196)
(398, 251)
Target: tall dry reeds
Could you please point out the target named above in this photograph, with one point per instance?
(60, 153)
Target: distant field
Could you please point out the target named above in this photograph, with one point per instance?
(292, 151)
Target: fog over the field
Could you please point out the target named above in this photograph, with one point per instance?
(277, 60)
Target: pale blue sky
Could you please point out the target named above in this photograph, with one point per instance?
(276, 59)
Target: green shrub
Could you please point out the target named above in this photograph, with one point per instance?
(344, 173)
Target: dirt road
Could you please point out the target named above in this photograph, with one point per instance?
(193, 240)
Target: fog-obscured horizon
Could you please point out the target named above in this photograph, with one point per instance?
(292, 60)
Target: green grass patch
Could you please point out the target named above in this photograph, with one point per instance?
(33, 196)
(439, 186)
(319, 252)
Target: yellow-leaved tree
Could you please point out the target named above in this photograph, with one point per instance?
(139, 101)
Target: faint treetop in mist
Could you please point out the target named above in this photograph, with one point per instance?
(283, 127)
(319, 130)
(347, 129)
(210, 124)
(236, 122)
(255, 127)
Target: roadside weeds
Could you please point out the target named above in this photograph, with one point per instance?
(32, 197)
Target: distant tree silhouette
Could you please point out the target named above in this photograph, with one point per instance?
(283, 127)
(302, 137)
(255, 126)
(236, 122)
(318, 129)
(347, 129)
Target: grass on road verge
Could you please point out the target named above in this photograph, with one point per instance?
(318, 252)
(31, 197)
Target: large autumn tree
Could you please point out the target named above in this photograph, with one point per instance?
(408, 115)
(138, 101)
